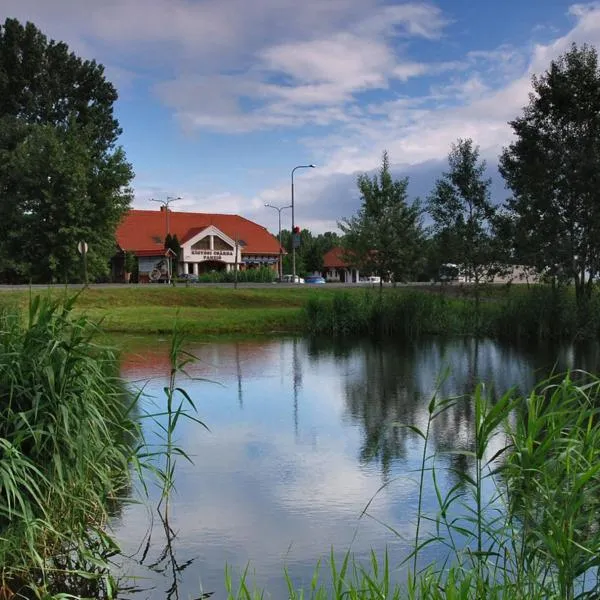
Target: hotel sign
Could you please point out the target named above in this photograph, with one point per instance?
(212, 254)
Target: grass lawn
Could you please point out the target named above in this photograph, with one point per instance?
(196, 321)
(214, 310)
(199, 310)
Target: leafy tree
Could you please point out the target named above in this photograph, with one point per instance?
(62, 176)
(172, 242)
(553, 170)
(463, 214)
(385, 236)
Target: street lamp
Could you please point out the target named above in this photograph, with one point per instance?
(293, 243)
(279, 209)
(165, 204)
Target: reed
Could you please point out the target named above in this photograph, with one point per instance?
(541, 313)
(536, 537)
(67, 435)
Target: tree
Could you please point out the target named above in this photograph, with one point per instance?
(172, 243)
(553, 171)
(62, 176)
(463, 214)
(385, 236)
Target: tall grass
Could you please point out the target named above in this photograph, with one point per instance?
(539, 313)
(536, 536)
(67, 435)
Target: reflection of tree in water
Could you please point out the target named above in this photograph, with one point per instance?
(392, 383)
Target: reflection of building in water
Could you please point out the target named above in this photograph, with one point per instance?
(150, 358)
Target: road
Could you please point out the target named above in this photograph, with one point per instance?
(112, 286)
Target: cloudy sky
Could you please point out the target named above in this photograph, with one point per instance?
(219, 99)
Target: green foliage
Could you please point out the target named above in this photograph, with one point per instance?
(384, 238)
(463, 213)
(553, 170)
(309, 257)
(260, 275)
(67, 436)
(63, 179)
(172, 242)
(539, 313)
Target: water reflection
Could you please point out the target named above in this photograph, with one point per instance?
(303, 432)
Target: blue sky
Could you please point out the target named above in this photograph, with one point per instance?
(219, 99)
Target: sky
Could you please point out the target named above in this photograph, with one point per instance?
(220, 99)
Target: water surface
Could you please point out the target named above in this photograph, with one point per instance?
(301, 439)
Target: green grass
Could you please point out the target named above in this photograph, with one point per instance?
(197, 321)
(515, 312)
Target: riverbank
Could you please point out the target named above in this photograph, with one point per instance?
(60, 384)
(515, 312)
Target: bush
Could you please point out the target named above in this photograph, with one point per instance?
(261, 275)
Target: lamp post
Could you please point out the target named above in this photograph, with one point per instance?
(279, 209)
(293, 222)
(165, 204)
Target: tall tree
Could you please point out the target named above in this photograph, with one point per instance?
(463, 213)
(62, 176)
(553, 170)
(385, 236)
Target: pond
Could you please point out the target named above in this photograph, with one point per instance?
(301, 439)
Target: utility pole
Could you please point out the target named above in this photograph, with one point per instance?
(279, 209)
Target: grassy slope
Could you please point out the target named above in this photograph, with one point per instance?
(210, 310)
(153, 309)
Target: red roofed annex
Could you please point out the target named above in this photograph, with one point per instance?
(337, 268)
(209, 242)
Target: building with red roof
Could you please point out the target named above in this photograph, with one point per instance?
(209, 242)
(336, 267)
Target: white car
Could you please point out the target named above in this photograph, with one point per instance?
(292, 279)
(371, 279)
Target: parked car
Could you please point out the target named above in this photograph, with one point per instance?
(189, 277)
(315, 279)
(372, 279)
(292, 279)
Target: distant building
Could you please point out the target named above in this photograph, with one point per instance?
(209, 242)
(337, 269)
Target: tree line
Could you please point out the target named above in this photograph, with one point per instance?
(551, 221)
(63, 176)
(64, 179)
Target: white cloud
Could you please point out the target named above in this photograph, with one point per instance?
(235, 66)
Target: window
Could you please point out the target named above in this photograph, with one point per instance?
(219, 244)
(203, 244)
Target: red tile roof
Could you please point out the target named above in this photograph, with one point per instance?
(334, 259)
(143, 231)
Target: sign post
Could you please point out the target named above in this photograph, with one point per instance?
(82, 248)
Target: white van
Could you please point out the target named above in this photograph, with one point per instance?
(292, 279)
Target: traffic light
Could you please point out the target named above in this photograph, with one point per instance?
(296, 229)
